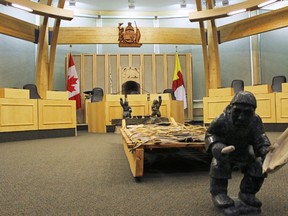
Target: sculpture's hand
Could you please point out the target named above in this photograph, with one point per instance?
(217, 151)
(228, 149)
(263, 151)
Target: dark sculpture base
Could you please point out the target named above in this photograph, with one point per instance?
(240, 208)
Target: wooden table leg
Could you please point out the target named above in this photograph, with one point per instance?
(135, 159)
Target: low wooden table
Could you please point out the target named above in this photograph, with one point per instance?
(135, 151)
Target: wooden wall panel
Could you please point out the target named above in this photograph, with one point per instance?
(88, 73)
(147, 73)
(157, 72)
(100, 71)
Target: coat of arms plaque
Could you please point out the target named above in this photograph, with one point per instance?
(129, 37)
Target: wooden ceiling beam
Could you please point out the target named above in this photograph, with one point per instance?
(220, 12)
(17, 28)
(42, 9)
(109, 35)
(254, 25)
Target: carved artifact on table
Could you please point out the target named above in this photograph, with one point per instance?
(156, 107)
(127, 110)
(129, 37)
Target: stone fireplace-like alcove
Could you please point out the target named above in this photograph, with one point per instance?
(131, 80)
(130, 87)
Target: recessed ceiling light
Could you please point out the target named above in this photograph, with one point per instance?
(72, 2)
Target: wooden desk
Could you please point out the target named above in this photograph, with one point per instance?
(266, 104)
(221, 92)
(14, 93)
(266, 107)
(18, 114)
(284, 87)
(214, 106)
(135, 151)
(56, 114)
(259, 89)
(282, 107)
(101, 114)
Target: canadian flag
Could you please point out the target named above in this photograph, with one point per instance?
(73, 85)
(178, 82)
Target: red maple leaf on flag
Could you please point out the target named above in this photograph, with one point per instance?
(72, 81)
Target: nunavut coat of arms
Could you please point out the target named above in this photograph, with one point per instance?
(129, 37)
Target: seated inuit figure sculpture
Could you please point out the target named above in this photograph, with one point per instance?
(236, 138)
(127, 110)
(156, 107)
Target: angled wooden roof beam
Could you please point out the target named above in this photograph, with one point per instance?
(40, 9)
(229, 10)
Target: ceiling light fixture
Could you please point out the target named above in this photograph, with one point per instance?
(266, 3)
(21, 7)
(40, 9)
(72, 2)
(225, 2)
(131, 4)
(236, 12)
(183, 4)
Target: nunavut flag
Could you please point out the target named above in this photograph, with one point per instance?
(73, 85)
(178, 82)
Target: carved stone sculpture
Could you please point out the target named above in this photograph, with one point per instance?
(127, 110)
(236, 138)
(156, 107)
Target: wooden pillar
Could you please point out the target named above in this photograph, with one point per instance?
(106, 74)
(189, 90)
(255, 57)
(255, 60)
(53, 48)
(153, 81)
(214, 78)
(42, 60)
(165, 72)
(204, 48)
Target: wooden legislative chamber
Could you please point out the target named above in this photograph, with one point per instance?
(101, 114)
(272, 107)
(19, 113)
